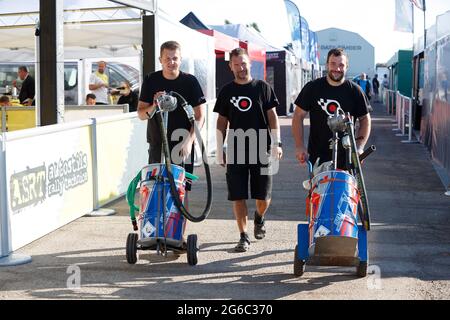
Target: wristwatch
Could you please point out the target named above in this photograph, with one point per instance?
(279, 144)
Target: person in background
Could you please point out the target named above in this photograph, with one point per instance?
(375, 86)
(99, 82)
(385, 82)
(27, 91)
(91, 99)
(4, 101)
(320, 98)
(364, 83)
(128, 96)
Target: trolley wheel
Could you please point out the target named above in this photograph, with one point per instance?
(361, 269)
(192, 250)
(299, 265)
(132, 248)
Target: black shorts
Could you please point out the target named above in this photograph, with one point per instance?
(237, 182)
(154, 156)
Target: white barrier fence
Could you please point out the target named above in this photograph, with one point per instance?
(122, 151)
(401, 107)
(50, 176)
(389, 100)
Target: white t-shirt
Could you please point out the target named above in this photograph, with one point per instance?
(101, 94)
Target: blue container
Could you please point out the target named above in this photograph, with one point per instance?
(159, 218)
(333, 206)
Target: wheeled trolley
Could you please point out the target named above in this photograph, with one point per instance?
(160, 223)
(333, 235)
(162, 215)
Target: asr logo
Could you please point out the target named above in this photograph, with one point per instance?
(34, 185)
(28, 187)
(242, 103)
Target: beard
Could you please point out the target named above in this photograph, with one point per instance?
(242, 75)
(336, 76)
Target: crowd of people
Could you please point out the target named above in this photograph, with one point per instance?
(372, 88)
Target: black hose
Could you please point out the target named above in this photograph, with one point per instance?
(173, 188)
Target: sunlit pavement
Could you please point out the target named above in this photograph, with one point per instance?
(409, 244)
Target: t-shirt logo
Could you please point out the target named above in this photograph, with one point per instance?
(329, 106)
(242, 103)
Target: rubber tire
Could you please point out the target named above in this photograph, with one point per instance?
(361, 270)
(299, 265)
(132, 248)
(192, 250)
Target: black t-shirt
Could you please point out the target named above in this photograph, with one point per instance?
(320, 99)
(131, 99)
(187, 86)
(243, 106)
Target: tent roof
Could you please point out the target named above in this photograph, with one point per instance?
(244, 33)
(80, 41)
(91, 29)
(222, 42)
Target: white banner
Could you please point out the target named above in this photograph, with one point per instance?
(403, 16)
(122, 151)
(49, 180)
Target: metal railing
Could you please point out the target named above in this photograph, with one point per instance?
(400, 106)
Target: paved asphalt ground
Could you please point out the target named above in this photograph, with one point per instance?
(409, 244)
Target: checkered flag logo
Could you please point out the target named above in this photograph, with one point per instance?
(329, 106)
(242, 103)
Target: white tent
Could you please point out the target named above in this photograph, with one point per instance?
(103, 29)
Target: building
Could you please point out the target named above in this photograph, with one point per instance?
(360, 52)
(400, 72)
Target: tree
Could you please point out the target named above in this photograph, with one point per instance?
(227, 21)
(254, 25)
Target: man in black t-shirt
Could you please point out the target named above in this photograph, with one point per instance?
(320, 98)
(170, 78)
(248, 108)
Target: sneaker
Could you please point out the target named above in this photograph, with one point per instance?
(243, 245)
(260, 228)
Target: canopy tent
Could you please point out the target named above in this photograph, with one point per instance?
(84, 41)
(90, 30)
